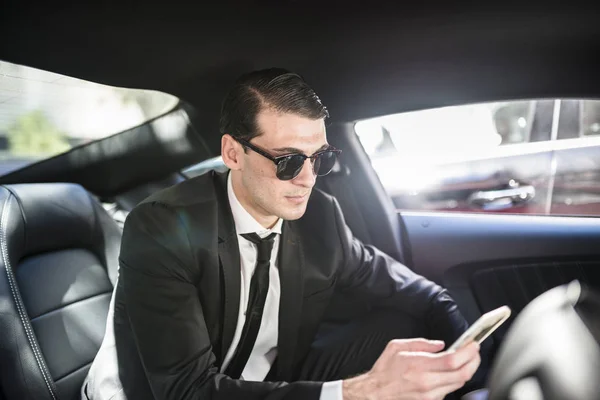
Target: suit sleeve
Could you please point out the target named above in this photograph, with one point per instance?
(158, 270)
(384, 282)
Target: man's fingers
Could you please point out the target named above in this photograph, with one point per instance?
(451, 361)
(472, 367)
(441, 391)
(416, 345)
(438, 379)
(438, 384)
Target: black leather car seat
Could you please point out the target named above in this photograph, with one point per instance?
(58, 265)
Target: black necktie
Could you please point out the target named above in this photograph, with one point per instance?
(259, 287)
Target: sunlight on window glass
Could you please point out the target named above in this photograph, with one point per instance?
(590, 118)
(446, 133)
(43, 114)
(427, 139)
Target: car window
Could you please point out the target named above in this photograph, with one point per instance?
(579, 119)
(590, 118)
(43, 114)
(576, 159)
(450, 132)
(496, 157)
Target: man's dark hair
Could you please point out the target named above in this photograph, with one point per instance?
(282, 90)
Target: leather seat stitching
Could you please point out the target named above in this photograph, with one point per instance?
(17, 298)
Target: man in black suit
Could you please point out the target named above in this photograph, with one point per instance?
(225, 279)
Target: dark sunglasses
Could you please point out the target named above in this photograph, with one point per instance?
(290, 165)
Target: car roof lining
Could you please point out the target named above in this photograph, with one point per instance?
(362, 62)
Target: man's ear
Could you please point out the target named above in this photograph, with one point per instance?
(231, 152)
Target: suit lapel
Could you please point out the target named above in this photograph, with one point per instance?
(229, 262)
(291, 263)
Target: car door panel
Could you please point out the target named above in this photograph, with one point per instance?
(440, 241)
(517, 283)
(491, 260)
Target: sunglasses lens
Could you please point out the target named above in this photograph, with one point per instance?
(325, 162)
(289, 167)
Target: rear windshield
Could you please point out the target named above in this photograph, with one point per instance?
(43, 114)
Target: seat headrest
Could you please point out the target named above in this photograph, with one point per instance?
(53, 216)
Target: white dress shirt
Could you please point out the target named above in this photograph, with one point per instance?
(264, 351)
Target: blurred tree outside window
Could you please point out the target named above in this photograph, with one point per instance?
(34, 135)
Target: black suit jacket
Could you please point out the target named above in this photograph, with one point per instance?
(177, 298)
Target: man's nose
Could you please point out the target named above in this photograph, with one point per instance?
(306, 177)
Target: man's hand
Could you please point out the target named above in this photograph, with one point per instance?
(413, 369)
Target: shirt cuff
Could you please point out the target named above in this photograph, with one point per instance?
(332, 391)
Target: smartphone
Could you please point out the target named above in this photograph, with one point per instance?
(483, 327)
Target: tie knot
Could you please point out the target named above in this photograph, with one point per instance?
(264, 246)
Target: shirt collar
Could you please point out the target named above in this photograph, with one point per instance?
(244, 222)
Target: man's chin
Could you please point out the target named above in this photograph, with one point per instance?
(293, 214)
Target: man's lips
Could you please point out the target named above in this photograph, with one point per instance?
(297, 198)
